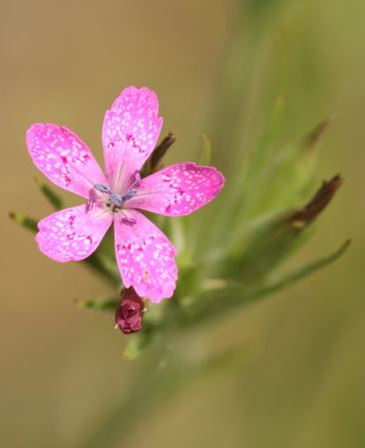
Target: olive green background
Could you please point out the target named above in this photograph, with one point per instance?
(301, 382)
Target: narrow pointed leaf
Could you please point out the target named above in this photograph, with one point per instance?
(24, 221)
(214, 304)
(278, 179)
(247, 187)
(288, 174)
(266, 143)
(258, 253)
(176, 232)
(99, 304)
(104, 265)
(49, 194)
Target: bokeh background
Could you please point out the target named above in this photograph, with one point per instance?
(217, 67)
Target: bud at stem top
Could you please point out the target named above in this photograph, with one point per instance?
(129, 313)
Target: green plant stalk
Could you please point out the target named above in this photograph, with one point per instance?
(49, 194)
(158, 387)
(98, 304)
(215, 304)
(25, 221)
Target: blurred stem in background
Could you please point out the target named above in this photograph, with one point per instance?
(237, 71)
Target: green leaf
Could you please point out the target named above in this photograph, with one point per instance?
(98, 304)
(241, 192)
(105, 266)
(216, 303)
(25, 221)
(49, 194)
(259, 156)
(275, 179)
(176, 230)
(287, 175)
(262, 249)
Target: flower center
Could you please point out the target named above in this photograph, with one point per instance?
(115, 201)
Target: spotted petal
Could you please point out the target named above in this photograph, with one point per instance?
(72, 234)
(178, 190)
(145, 256)
(63, 158)
(130, 132)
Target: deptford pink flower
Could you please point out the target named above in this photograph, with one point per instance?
(145, 256)
(129, 313)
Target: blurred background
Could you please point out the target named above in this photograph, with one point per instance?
(217, 67)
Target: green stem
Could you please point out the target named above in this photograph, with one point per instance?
(156, 388)
(215, 304)
(103, 266)
(49, 194)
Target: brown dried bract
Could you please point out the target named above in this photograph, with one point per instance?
(317, 204)
(315, 135)
(159, 152)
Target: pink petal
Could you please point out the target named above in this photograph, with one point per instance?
(132, 126)
(72, 234)
(145, 256)
(178, 190)
(63, 158)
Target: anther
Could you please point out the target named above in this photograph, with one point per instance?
(102, 188)
(127, 196)
(116, 199)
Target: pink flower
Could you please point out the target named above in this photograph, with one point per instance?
(145, 256)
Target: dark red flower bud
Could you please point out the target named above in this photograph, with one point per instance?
(129, 313)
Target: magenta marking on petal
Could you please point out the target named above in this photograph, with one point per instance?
(129, 221)
(63, 158)
(145, 256)
(178, 190)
